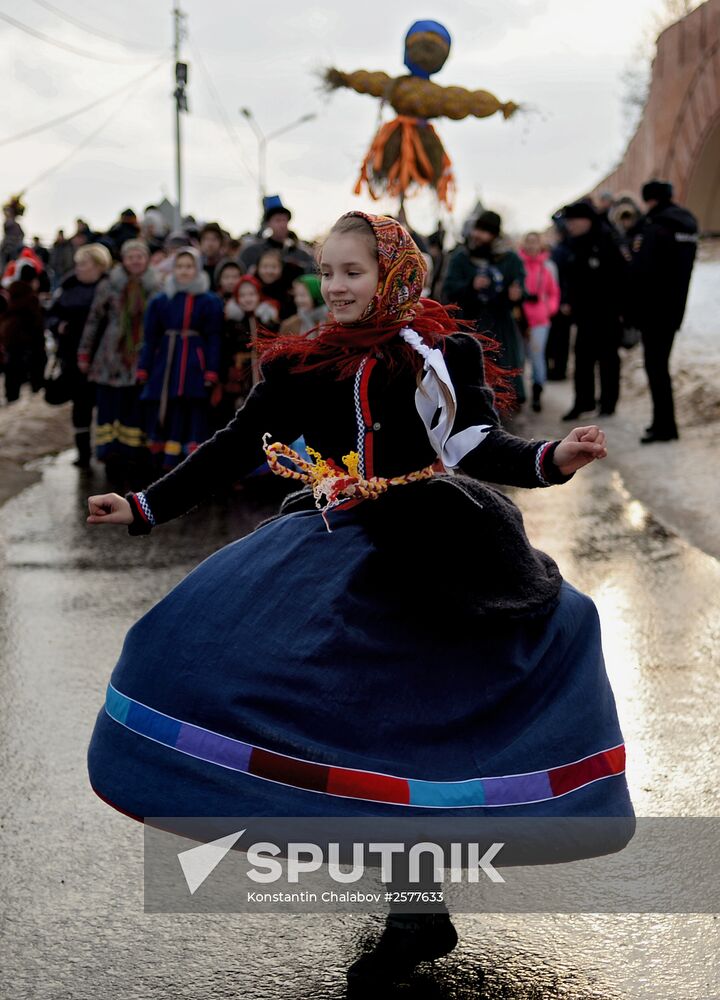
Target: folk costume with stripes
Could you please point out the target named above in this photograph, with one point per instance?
(390, 644)
(179, 365)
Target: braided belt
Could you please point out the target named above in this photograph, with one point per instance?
(331, 484)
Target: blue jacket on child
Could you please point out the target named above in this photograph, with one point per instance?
(183, 332)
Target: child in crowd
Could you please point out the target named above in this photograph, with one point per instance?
(227, 277)
(310, 305)
(239, 368)
(341, 661)
(180, 359)
(276, 279)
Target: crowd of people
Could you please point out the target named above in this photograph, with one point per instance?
(611, 270)
(150, 330)
(153, 330)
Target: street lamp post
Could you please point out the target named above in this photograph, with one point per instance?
(181, 79)
(263, 141)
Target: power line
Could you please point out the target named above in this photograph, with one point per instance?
(91, 31)
(73, 114)
(93, 135)
(62, 45)
(215, 97)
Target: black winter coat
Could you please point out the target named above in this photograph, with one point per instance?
(662, 265)
(597, 277)
(71, 304)
(323, 410)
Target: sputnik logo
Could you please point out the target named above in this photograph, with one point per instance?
(198, 862)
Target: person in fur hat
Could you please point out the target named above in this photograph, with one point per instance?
(180, 361)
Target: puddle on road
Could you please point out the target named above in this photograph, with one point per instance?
(67, 596)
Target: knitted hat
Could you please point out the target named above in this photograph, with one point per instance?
(312, 283)
(580, 210)
(489, 222)
(656, 190)
(249, 279)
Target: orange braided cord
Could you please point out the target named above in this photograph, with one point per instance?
(329, 480)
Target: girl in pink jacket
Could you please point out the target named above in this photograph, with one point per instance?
(541, 302)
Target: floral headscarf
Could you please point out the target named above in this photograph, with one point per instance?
(401, 272)
(395, 306)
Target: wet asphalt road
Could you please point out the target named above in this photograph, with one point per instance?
(72, 918)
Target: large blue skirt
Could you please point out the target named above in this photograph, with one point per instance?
(274, 680)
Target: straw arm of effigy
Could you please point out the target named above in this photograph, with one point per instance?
(411, 95)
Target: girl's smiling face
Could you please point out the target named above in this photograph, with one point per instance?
(349, 276)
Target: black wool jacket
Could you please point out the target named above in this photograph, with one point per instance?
(333, 415)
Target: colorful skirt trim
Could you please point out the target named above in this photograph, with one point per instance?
(292, 656)
(504, 790)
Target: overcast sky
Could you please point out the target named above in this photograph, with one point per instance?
(563, 59)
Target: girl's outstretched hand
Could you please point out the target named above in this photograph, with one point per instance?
(109, 508)
(582, 446)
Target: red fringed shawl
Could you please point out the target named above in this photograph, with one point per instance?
(395, 306)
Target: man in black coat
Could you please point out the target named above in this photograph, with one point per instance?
(662, 262)
(596, 278)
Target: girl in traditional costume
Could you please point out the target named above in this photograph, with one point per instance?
(180, 360)
(350, 669)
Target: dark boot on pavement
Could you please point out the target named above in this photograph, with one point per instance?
(407, 940)
(653, 435)
(82, 443)
(577, 411)
(536, 394)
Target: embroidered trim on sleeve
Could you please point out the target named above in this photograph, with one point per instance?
(539, 459)
(144, 508)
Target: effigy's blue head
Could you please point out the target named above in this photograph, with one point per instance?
(427, 46)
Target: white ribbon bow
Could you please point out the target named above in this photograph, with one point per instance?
(437, 409)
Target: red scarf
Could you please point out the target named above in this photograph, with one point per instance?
(396, 304)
